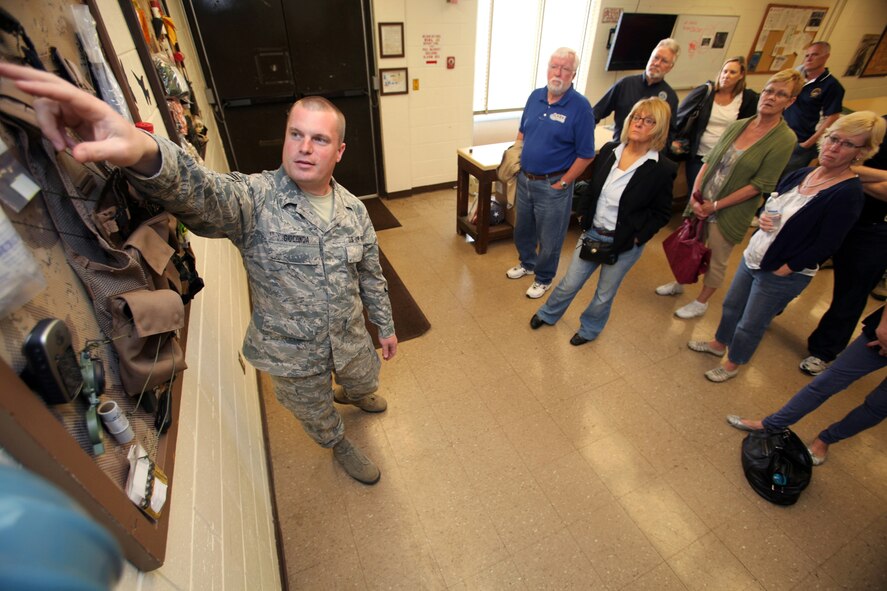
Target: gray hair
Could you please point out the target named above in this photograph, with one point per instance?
(671, 45)
(567, 52)
(825, 44)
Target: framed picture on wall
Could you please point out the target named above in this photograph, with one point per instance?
(391, 40)
(394, 81)
(877, 64)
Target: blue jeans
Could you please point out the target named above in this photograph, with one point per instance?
(595, 316)
(754, 299)
(855, 362)
(543, 215)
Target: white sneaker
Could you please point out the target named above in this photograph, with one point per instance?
(691, 310)
(813, 365)
(537, 289)
(673, 288)
(517, 271)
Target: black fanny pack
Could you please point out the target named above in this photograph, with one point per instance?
(596, 251)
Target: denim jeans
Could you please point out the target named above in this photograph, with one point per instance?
(543, 215)
(754, 299)
(855, 362)
(595, 316)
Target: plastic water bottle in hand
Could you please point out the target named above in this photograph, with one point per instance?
(773, 210)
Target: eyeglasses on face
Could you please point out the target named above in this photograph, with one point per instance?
(658, 59)
(559, 69)
(777, 93)
(649, 121)
(833, 140)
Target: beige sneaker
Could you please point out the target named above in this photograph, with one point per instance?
(369, 403)
(356, 464)
(669, 289)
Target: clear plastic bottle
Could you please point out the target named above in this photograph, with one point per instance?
(20, 276)
(773, 209)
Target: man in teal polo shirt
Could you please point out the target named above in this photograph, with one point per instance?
(557, 130)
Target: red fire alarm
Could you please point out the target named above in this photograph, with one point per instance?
(451, 63)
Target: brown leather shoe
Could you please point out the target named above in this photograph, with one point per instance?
(369, 403)
(356, 464)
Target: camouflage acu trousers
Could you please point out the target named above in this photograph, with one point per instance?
(310, 398)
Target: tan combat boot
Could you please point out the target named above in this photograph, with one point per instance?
(369, 403)
(356, 464)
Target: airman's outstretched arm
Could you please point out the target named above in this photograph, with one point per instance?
(102, 134)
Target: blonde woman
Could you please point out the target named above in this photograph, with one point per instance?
(628, 200)
(727, 101)
(744, 165)
(818, 206)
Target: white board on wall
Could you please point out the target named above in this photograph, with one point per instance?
(704, 42)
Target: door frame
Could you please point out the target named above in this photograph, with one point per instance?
(371, 80)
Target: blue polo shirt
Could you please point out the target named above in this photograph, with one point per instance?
(819, 98)
(555, 135)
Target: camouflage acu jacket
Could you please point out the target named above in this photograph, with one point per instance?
(309, 282)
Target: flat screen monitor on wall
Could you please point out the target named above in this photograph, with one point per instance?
(636, 36)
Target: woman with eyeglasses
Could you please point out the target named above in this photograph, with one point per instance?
(742, 167)
(719, 104)
(817, 207)
(626, 202)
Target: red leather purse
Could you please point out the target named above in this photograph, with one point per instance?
(687, 254)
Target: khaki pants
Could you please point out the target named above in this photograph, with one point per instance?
(310, 398)
(720, 255)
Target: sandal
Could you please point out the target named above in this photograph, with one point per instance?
(720, 374)
(817, 460)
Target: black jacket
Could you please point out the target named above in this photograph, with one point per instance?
(646, 202)
(747, 108)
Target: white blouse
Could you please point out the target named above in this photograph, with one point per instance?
(720, 118)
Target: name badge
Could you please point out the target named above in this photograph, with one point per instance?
(559, 117)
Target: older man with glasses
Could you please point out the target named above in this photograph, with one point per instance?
(557, 131)
(627, 91)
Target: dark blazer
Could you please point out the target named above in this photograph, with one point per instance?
(646, 202)
(747, 108)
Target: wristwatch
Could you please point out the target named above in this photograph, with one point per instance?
(564, 184)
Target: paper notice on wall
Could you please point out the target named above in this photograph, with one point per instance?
(431, 48)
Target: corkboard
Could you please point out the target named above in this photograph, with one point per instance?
(785, 32)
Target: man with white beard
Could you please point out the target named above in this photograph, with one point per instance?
(557, 131)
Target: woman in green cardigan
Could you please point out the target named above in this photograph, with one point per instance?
(744, 165)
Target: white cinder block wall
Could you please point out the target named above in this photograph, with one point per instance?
(221, 533)
(422, 130)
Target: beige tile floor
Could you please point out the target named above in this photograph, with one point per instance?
(512, 460)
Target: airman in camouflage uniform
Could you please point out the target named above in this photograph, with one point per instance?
(308, 246)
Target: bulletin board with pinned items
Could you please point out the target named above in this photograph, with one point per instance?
(785, 32)
(94, 292)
